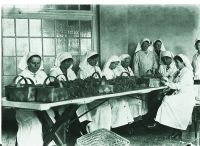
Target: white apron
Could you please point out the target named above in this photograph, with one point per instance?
(101, 116)
(176, 110)
(29, 127)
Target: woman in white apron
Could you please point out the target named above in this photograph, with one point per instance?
(101, 115)
(167, 70)
(63, 71)
(121, 114)
(196, 66)
(176, 109)
(144, 59)
(29, 127)
(134, 101)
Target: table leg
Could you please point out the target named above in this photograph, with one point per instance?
(51, 128)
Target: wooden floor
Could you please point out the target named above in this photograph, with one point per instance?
(141, 137)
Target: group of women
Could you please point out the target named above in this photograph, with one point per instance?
(176, 72)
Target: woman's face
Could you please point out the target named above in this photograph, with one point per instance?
(198, 46)
(66, 64)
(157, 46)
(126, 62)
(145, 45)
(166, 60)
(34, 64)
(93, 61)
(113, 65)
(179, 64)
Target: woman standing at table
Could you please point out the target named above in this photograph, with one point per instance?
(144, 60)
(29, 127)
(158, 48)
(176, 109)
(100, 115)
(196, 66)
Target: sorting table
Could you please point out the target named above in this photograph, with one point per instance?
(49, 126)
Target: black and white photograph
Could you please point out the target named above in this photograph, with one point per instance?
(100, 74)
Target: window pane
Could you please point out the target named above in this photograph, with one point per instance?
(36, 45)
(73, 45)
(85, 7)
(61, 45)
(48, 28)
(61, 28)
(22, 46)
(18, 60)
(49, 46)
(9, 65)
(85, 45)
(35, 27)
(73, 28)
(60, 7)
(21, 27)
(86, 29)
(66, 7)
(8, 47)
(72, 7)
(48, 63)
(8, 27)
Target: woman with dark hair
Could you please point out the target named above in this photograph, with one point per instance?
(196, 66)
(158, 48)
(176, 109)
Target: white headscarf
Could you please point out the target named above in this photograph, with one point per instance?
(23, 62)
(186, 61)
(84, 64)
(113, 58)
(138, 48)
(167, 54)
(124, 56)
(162, 46)
(55, 71)
(61, 57)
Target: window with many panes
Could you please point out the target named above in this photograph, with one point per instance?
(54, 29)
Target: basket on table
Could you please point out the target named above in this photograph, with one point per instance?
(102, 137)
(74, 88)
(123, 83)
(52, 92)
(21, 92)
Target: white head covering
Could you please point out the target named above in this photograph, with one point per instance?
(113, 58)
(167, 54)
(138, 48)
(84, 64)
(61, 57)
(162, 46)
(23, 62)
(124, 56)
(186, 61)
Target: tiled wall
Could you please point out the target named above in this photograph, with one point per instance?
(46, 36)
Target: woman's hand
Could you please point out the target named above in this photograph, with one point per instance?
(164, 80)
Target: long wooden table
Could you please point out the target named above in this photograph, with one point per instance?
(51, 127)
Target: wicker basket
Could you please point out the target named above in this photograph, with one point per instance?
(102, 137)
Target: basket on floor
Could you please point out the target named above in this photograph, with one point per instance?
(102, 137)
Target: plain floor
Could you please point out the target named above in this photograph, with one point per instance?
(141, 136)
